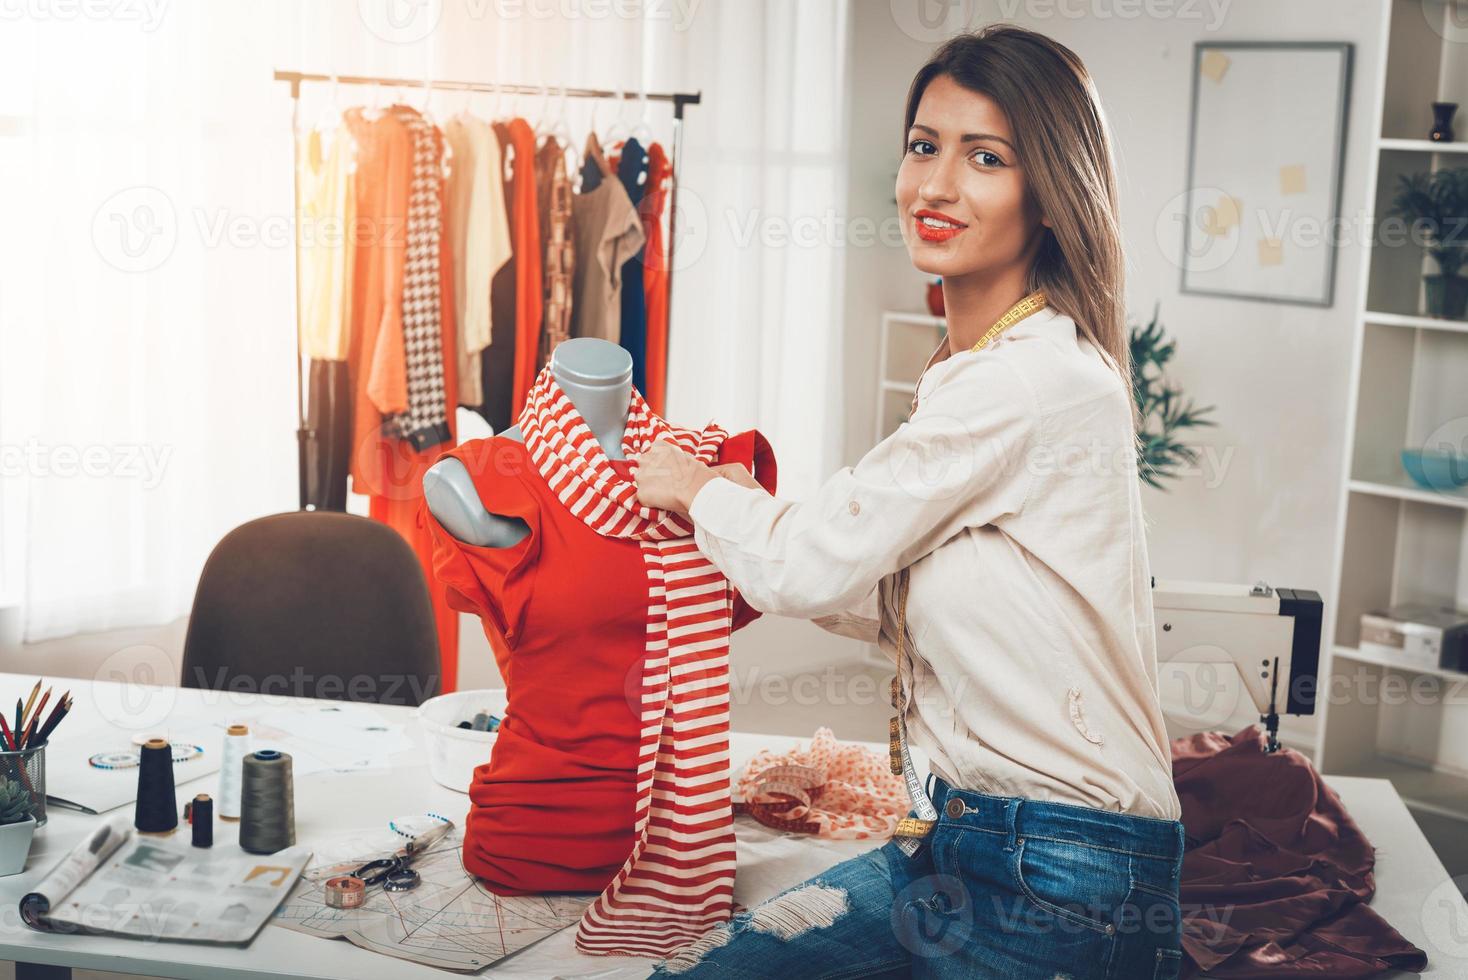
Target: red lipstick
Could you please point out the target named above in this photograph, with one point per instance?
(935, 226)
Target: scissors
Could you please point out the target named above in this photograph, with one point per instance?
(395, 873)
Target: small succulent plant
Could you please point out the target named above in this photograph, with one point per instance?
(15, 802)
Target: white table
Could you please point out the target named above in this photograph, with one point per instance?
(1413, 890)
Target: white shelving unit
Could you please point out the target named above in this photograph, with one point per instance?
(908, 340)
(1397, 542)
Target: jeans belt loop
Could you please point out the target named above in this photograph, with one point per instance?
(1012, 822)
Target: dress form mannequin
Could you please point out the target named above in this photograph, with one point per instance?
(596, 376)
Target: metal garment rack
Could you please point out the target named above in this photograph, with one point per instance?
(305, 435)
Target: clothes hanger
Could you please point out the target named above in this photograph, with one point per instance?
(374, 107)
(618, 129)
(642, 132)
(542, 117)
(331, 115)
(561, 133)
(593, 150)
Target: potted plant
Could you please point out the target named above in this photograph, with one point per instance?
(16, 826)
(1163, 409)
(1436, 205)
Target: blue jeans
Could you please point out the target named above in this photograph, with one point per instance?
(1004, 887)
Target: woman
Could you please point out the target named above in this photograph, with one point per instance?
(1008, 511)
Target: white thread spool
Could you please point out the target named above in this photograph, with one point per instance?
(231, 771)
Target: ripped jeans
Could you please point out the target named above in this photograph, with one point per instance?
(1003, 887)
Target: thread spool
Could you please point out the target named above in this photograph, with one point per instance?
(156, 811)
(267, 803)
(201, 819)
(232, 760)
(345, 892)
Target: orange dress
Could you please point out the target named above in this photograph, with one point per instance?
(525, 231)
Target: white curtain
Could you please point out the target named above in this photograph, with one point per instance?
(147, 383)
(757, 308)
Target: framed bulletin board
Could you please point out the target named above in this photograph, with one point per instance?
(1265, 153)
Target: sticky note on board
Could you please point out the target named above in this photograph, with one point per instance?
(1214, 65)
(1271, 251)
(1292, 179)
(1223, 216)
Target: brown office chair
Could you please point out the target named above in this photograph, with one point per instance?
(314, 604)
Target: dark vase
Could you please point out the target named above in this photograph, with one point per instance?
(1442, 122)
(1447, 296)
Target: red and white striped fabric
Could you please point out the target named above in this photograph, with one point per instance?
(678, 881)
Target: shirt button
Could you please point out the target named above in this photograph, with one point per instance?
(954, 808)
(854, 507)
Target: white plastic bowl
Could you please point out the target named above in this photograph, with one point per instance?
(453, 752)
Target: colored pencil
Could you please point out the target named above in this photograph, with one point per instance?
(57, 709)
(54, 720)
(35, 718)
(30, 701)
(5, 729)
(18, 710)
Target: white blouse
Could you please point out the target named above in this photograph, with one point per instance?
(1013, 494)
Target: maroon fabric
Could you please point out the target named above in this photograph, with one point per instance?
(1277, 875)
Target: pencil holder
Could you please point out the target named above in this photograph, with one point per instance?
(27, 769)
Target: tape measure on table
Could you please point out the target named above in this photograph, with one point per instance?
(797, 787)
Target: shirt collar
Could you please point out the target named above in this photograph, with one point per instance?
(1047, 322)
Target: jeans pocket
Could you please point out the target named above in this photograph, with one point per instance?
(1073, 882)
(1169, 964)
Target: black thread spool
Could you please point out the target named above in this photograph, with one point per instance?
(201, 819)
(157, 806)
(267, 803)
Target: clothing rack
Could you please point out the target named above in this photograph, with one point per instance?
(305, 435)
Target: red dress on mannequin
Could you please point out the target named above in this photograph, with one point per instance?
(565, 612)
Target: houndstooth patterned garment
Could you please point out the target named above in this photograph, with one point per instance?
(554, 194)
(425, 423)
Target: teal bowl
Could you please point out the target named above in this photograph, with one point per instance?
(1435, 469)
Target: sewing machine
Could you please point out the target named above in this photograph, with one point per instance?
(1271, 637)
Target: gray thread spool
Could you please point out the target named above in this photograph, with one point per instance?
(267, 804)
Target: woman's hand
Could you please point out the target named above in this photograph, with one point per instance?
(668, 478)
(737, 473)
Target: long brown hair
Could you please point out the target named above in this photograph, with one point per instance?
(1064, 146)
